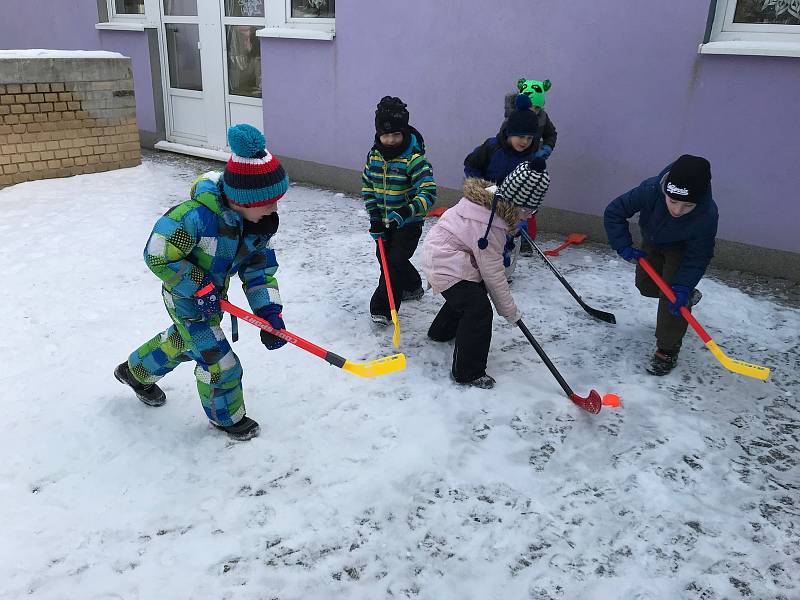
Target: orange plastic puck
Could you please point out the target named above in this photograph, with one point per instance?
(611, 400)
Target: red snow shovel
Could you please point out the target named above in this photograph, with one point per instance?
(572, 238)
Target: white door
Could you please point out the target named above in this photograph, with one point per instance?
(212, 68)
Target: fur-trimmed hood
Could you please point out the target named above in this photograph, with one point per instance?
(475, 191)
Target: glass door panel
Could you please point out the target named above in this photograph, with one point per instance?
(183, 56)
(244, 60)
(244, 8)
(180, 8)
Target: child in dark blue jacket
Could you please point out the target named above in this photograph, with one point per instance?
(494, 159)
(678, 220)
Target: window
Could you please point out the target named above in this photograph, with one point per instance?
(769, 27)
(310, 19)
(130, 11)
(128, 7)
(313, 9)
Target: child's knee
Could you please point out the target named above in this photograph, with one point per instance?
(647, 288)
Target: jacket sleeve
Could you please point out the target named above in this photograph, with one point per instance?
(616, 215)
(477, 161)
(421, 174)
(549, 133)
(368, 194)
(696, 258)
(173, 237)
(257, 273)
(490, 265)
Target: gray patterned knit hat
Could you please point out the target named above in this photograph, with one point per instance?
(525, 186)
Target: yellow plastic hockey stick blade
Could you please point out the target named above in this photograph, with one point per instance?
(738, 366)
(377, 367)
(396, 334)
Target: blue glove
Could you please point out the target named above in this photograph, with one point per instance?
(631, 254)
(377, 229)
(508, 250)
(273, 316)
(400, 216)
(543, 152)
(206, 300)
(681, 299)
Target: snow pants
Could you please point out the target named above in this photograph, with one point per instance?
(669, 328)
(467, 317)
(218, 370)
(400, 245)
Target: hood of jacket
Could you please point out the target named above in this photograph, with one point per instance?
(475, 191)
(207, 190)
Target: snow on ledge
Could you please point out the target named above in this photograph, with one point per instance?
(41, 53)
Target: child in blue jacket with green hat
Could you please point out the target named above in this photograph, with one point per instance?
(223, 229)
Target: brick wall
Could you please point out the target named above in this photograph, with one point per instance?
(62, 117)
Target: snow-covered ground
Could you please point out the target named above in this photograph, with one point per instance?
(399, 487)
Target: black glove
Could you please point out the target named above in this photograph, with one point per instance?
(377, 229)
(400, 216)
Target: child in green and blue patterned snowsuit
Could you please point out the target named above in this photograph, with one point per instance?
(224, 229)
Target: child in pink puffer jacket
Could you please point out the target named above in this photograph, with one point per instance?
(463, 262)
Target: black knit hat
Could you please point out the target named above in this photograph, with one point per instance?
(522, 121)
(688, 179)
(391, 115)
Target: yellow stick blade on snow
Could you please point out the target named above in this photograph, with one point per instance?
(377, 367)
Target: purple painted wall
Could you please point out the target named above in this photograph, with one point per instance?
(62, 25)
(630, 93)
(38, 24)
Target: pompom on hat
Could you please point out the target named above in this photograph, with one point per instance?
(253, 177)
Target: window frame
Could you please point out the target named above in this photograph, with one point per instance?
(724, 29)
(151, 16)
(723, 36)
(280, 23)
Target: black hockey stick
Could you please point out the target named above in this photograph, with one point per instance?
(593, 403)
(598, 314)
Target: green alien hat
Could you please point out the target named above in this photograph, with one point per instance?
(534, 90)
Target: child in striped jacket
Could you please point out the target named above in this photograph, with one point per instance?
(398, 191)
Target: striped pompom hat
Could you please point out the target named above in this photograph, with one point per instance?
(253, 176)
(525, 187)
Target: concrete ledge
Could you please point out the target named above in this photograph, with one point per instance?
(53, 70)
(729, 255)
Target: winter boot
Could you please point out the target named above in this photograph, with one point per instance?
(662, 362)
(381, 320)
(244, 430)
(484, 382)
(149, 394)
(695, 297)
(413, 294)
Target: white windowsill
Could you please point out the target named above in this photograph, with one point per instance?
(295, 33)
(117, 26)
(755, 48)
(192, 150)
